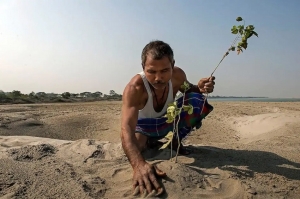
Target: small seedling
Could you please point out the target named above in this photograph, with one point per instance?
(172, 113)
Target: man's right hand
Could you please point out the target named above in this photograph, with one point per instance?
(144, 177)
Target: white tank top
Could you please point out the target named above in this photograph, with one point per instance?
(148, 110)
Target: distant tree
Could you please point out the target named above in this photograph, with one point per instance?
(97, 94)
(41, 95)
(112, 92)
(66, 95)
(16, 94)
(2, 95)
(73, 95)
(86, 94)
(32, 94)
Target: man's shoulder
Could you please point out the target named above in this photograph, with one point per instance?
(135, 85)
(178, 71)
(179, 74)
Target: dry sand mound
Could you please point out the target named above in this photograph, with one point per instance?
(263, 126)
(94, 169)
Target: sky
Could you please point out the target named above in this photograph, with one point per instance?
(95, 45)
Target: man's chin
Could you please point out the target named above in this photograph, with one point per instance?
(159, 86)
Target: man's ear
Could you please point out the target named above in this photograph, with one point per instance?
(173, 64)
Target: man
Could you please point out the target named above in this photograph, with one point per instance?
(146, 97)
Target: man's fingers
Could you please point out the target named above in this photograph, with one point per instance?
(159, 172)
(158, 188)
(136, 191)
(136, 188)
(141, 187)
(159, 191)
(148, 184)
(154, 182)
(212, 78)
(209, 84)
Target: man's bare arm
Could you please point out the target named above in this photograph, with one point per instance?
(144, 177)
(131, 97)
(205, 85)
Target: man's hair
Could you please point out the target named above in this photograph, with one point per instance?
(157, 50)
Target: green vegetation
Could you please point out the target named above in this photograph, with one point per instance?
(16, 97)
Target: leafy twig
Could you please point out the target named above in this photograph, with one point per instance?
(243, 33)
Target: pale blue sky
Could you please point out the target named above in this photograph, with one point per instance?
(95, 45)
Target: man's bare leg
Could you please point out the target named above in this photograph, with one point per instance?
(142, 141)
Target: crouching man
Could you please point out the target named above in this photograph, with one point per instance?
(145, 101)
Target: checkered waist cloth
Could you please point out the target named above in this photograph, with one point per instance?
(158, 127)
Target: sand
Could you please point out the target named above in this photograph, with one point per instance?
(243, 150)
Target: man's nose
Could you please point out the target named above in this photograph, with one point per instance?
(158, 77)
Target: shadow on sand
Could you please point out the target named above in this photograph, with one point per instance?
(229, 159)
(255, 161)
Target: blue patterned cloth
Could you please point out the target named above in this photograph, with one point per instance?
(159, 128)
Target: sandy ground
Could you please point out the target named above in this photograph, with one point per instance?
(243, 150)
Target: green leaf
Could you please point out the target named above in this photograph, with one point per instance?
(232, 48)
(253, 32)
(169, 137)
(169, 120)
(190, 111)
(240, 27)
(235, 31)
(239, 19)
(250, 27)
(250, 34)
(171, 109)
(244, 45)
(186, 108)
(185, 86)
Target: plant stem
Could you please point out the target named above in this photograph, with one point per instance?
(178, 139)
(172, 139)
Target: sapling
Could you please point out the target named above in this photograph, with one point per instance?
(172, 112)
(243, 34)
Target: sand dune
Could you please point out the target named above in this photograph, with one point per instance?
(243, 150)
(263, 126)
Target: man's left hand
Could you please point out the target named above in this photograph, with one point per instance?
(206, 85)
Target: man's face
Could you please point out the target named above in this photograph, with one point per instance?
(158, 72)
